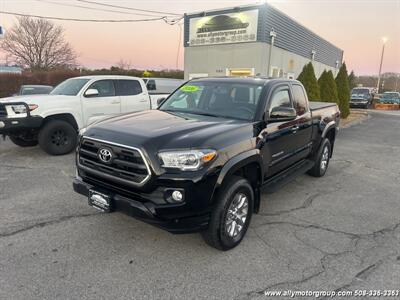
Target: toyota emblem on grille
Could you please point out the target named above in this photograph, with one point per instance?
(105, 155)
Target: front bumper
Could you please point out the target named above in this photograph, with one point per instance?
(11, 122)
(175, 218)
(10, 125)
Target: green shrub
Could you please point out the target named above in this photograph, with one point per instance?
(308, 79)
(342, 82)
(328, 88)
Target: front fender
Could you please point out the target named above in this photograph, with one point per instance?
(52, 112)
(236, 163)
(239, 161)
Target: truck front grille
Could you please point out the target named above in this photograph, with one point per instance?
(126, 167)
(3, 112)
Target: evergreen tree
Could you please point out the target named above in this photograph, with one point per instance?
(342, 82)
(328, 88)
(308, 79)
(352, 80)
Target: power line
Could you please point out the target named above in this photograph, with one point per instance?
(130, 8)
(94, 8)
(87, 20)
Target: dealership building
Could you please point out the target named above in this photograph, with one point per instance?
(253, 40)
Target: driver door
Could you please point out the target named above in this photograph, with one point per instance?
(102, 104)
(279, 145)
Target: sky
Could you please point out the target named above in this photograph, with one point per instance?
(355, 26)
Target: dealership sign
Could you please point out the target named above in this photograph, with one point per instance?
(237, 27)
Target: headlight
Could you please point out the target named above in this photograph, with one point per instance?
(18, 109)
(21, 109)
(190, 160)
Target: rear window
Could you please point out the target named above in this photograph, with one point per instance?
(128, 87)
(163, 86)
(299, 99)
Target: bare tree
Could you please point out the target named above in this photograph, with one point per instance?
(124, 64)
(38, 44)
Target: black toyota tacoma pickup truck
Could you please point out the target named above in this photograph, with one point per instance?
(199, 162)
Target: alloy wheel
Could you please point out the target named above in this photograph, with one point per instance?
(325, 158)
(237, 215)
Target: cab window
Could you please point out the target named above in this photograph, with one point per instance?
(128, 87)
(151, 85)
(104, 87)
(299, 100)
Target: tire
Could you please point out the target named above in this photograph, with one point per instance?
(23, 142)
(58, 137)
(223, 220)
(322, 160)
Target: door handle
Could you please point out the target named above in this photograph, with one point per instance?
(295, 128)
(116, 102)
(143, 100)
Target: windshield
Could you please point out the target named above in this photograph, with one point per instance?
(218, 99)
(391, 95)
(360, 92)
(69, 87)
(35, 90)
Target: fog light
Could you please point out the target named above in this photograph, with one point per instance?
(177, 196)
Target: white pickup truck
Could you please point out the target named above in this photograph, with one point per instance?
(53, 121)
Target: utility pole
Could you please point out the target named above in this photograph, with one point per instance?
(272, 34)
(384, 40)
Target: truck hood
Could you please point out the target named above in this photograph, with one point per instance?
(34, 99)
(154, 130)
(47, 104)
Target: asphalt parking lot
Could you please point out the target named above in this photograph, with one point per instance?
(341, 231)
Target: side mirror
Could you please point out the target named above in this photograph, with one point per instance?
(91, 93)
(279, 114)
(160, 101)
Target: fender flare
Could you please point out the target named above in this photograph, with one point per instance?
(60, 116)
(326, 128)
(53, 113)
(237, 162)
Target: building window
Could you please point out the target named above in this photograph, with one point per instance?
(275, 72)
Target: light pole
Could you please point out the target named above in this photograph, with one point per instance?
(384, 40)
(272, 34)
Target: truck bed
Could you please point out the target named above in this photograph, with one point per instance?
(320, 105)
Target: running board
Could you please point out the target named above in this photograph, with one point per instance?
(276, 182)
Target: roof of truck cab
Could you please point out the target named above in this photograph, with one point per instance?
(106, 77)
(248, 80)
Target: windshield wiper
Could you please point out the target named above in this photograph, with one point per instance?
(190, 112)
(204, 114)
